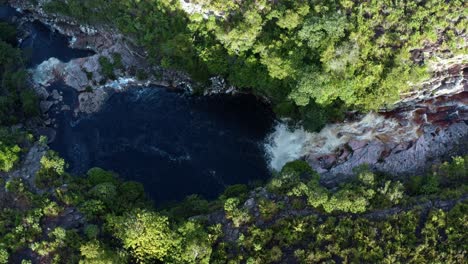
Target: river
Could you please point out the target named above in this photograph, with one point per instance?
(174, 143)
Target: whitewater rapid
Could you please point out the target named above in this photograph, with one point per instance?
(286, 144)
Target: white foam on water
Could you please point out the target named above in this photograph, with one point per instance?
(284, 145)
(120, 83)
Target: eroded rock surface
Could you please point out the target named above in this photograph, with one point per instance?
(428, 125)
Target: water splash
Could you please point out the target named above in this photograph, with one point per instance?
(120, 83)
(284, 145)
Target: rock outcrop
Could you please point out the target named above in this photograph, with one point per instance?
(428, 125)
(85, 74)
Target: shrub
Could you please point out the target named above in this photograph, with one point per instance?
(3, 256)
(91, 231)
(9, 156)
(456, 170)
(117, 60)
(52, 172)
(51, 209)
(237, 190)
(93, 209)
(238, 216)
(105, 192)
(145, 234)
(267, 208)
(30, 103)
(430, 184)
(107, 68)
(7, 33)
(292, 175)
(97, 176)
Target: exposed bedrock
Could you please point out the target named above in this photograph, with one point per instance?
(428, 125)
(428, 128)
(85, 74)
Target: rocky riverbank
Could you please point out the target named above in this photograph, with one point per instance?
(427, 126)
(86, 76)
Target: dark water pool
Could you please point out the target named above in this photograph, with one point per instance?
(51, 44)
(173, 143)
(42, 43)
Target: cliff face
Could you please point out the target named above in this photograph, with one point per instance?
(428, 125)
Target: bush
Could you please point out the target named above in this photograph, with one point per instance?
(97, 176)
(93, 209)
(30, 103)
(52, 172)
(455, 171)
(291, 176)
(106, 192)
(91, 231)
(237, 190)
(51, 209)
(9, 156)
(190, 206)
(8, 33)
(107, 68)
(430, 184)
(267, 209)
(145, 234)
(117, 61)
(238, 216)
(3, 256)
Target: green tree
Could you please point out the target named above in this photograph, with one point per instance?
(97, 176)
(146, 235)
(9, 156)
(52, 171)
(93, 252)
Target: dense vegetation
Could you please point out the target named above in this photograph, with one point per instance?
(358, 55)
(312, 58)
(297, 218)
(17, 101)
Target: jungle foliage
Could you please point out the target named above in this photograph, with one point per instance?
(372, 218)
(312, 58)
(306, 56)
(17, 100)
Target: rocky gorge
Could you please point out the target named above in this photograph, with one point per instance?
(129, 162)
(426, 126)
(124, 124)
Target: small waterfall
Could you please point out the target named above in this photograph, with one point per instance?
(284, 145)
